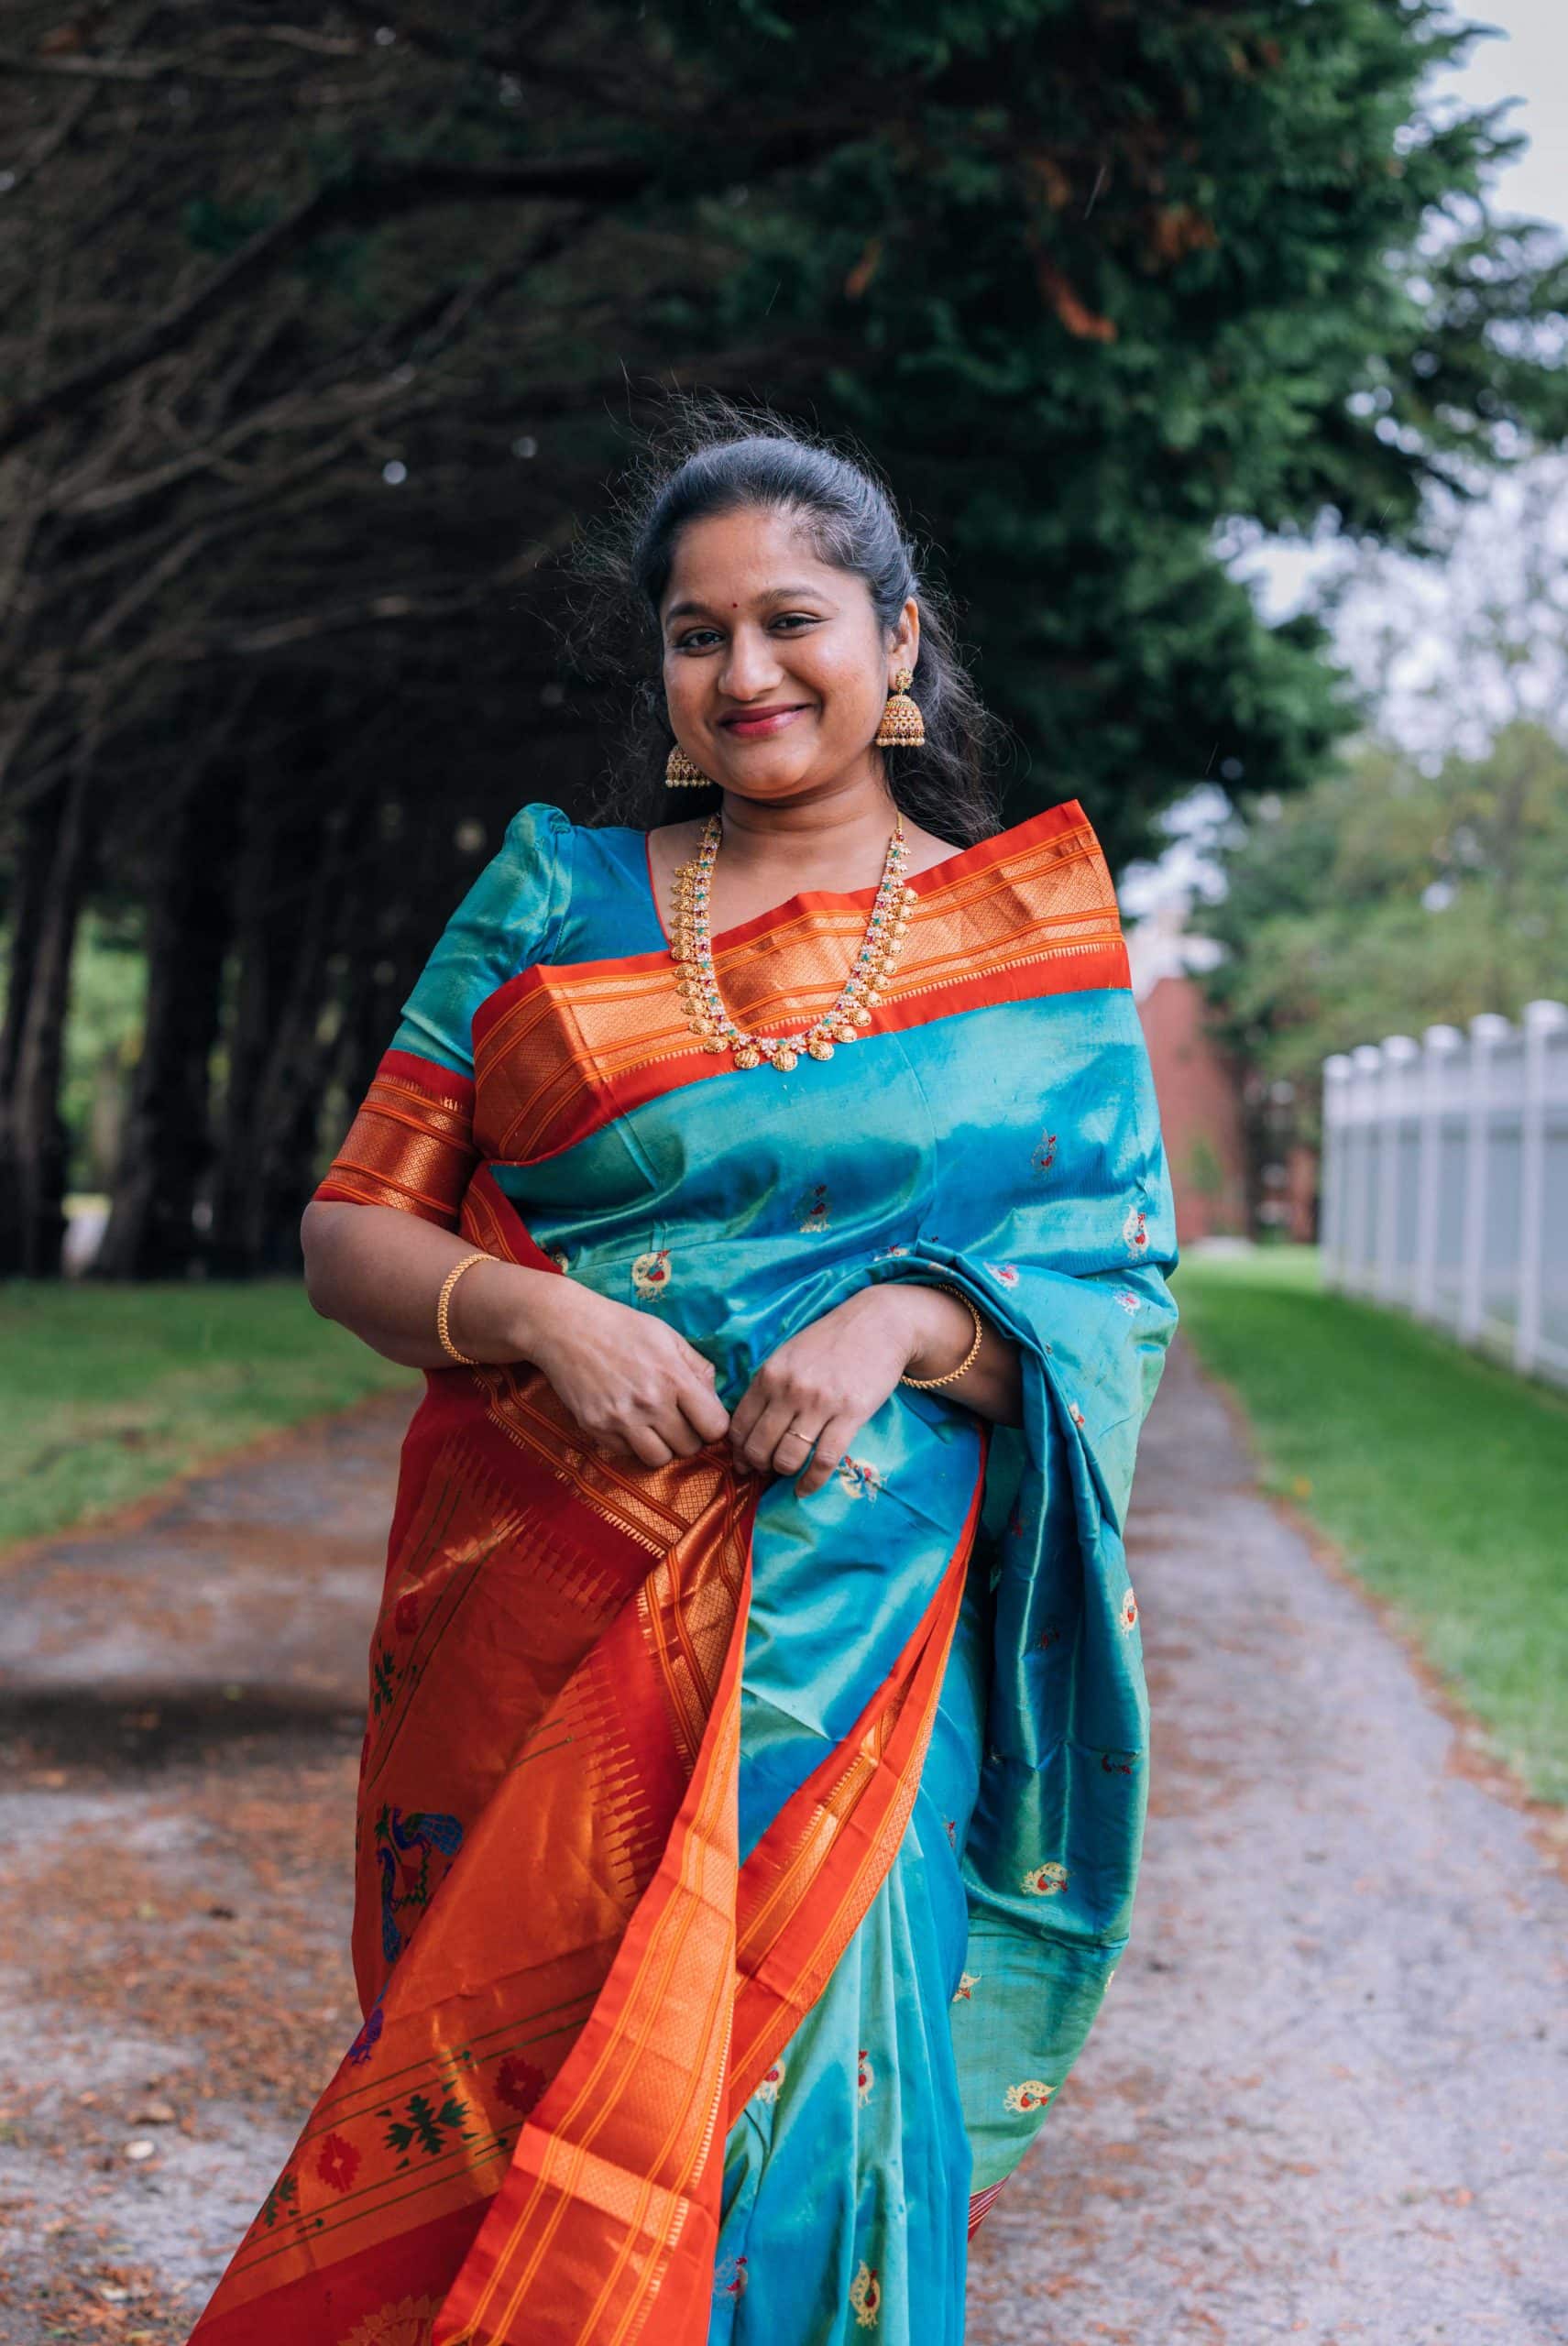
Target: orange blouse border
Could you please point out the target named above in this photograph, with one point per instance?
(1050, 822)
(1046, 822)
(561, 1048)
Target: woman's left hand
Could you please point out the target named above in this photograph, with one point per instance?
(823, 1383)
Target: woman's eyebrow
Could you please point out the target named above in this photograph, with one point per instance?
(769, 595)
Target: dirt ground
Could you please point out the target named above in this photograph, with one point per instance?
(1325, 2100)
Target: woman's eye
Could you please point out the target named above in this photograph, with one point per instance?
(701, 637)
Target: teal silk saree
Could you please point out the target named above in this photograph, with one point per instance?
(937, 1773)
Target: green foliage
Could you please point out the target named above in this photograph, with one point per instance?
(1116, 274)
(106, 1391)
(1097, 283)
(1403, 1448)
(1204, 1175)
(1385, 899)
(103, 1034)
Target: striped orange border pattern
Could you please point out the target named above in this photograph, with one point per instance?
(411, 1144)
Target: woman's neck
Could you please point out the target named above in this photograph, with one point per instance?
(821, 840)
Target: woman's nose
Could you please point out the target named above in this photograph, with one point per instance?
(750, 666)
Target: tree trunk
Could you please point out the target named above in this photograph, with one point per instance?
(167, 1143)
(52, 870)
(277, 1056)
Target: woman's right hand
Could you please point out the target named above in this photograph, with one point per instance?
(635, 1386)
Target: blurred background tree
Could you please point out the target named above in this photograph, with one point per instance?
(1420, 878)
(1384, 899)
(322, 336)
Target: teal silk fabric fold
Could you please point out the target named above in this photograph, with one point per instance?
(1012, 1149)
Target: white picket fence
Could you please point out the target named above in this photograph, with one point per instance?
(1445, 1182)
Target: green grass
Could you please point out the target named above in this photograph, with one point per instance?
(107, 1391)
(1442, 1478)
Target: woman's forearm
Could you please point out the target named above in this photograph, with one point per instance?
(942, 1330)
(378, 1273)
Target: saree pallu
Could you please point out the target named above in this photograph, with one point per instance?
(738, 1875)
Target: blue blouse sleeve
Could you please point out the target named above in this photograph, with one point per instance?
(507, 921)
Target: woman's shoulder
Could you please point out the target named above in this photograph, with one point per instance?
(538, 828)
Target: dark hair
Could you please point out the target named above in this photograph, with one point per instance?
(710, 458)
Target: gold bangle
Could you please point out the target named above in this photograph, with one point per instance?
(443, 1305)
(926, 1383)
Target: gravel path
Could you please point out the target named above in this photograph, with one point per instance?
(1327, 2098)
(1324, 2100)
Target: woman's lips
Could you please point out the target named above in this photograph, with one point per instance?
(758, 728)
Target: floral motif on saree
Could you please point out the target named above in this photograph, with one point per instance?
(630, 1792)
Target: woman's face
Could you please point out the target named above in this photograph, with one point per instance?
(776, 667)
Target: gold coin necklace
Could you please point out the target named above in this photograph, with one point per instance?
(692, 951)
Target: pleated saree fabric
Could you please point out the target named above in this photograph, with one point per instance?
(738, 1875)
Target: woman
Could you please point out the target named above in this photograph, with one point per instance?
(754, 1783)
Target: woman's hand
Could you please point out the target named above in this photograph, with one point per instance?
(633, 1384)
(826, 1381)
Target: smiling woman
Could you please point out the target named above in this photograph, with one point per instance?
(755, 1786)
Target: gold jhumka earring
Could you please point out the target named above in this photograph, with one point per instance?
(902, 727)
(682, 773)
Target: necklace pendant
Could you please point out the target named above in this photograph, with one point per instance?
(697, 982)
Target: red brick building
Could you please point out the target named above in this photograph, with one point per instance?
(1198, 1086)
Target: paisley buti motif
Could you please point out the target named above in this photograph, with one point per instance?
(1004, 1274)
(730, 2279)
(865, 2297)
(1044, 1881)
(1031, 2093)
(865, 2078)
(768, 2090)
(811, 1207)
(1045, 1154)
(1127, 1613)
(650, 1272)
(1075, 1413)
(1127, 1299)
(860, 1478)
(967, 1982)
(1135, 1230)
(409, 2322)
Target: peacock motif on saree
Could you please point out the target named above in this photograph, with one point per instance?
(405, 1849)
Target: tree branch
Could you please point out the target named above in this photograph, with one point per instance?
(379, 192)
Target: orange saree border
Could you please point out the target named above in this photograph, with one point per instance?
(560, 1051)
(525, 2142)
(411, 1144)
